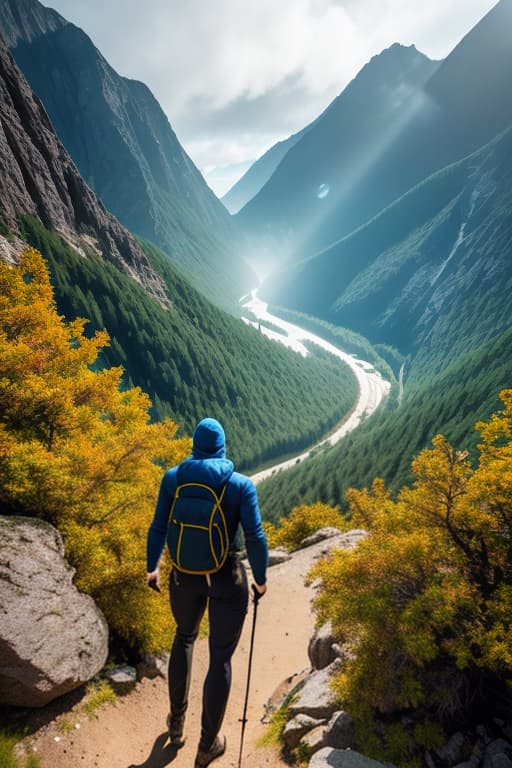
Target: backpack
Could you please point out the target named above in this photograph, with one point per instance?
(197, 537)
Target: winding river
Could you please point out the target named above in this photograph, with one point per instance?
(373, 388)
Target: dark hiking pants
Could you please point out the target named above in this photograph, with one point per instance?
(226, 597)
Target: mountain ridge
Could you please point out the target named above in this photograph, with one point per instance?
(322, 167)
(126, 149)
(439, 125)
(39, 178)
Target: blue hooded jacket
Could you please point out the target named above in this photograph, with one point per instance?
(209, 465)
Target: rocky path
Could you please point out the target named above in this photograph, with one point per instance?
(131, 733)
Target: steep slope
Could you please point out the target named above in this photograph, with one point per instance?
(465, 103)
(260, 172)
(431, 275)
(190, 356)
(449, 403)
(38, 177)
(125, 148)
(195, 359)
(319, 172)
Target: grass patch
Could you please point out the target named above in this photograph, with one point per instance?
(272, 735)
(8, 757)
(65, 726)
(98, 694)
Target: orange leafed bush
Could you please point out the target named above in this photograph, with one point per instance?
(78, 450)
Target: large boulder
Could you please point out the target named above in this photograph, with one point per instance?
(53, 638)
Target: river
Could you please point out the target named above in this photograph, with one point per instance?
(373, 388)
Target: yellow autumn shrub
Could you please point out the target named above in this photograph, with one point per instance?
(301, 523)
(426, 598)
(79, 450)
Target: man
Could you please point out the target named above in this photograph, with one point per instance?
(225, 592)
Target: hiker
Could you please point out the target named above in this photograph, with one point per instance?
(225, 591)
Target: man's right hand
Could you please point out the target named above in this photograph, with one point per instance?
(260, 588)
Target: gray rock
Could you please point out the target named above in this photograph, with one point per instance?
(122, 679)
(498, 754)
(314, 740)
(320, 647)
(342, 758)
(320, 535)
(451, 752)
(153, 665)
(339, 732)
(316, 698)
(53, 638)
(278, 555)
(297, 727)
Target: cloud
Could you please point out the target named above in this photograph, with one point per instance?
(234, 77)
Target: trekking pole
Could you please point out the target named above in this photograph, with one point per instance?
(255, 599)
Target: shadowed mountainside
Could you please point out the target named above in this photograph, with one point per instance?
(125, 148)
(38, 177)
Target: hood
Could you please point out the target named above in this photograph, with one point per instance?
(212, 472)
(209, 441)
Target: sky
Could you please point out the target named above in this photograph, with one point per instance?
(236, 76)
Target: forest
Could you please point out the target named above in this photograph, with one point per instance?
(385, 444)
(194, 359)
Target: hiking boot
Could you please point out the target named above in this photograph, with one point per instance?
(175, 729)
(204, 758)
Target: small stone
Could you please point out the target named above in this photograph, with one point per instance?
(343, 758)
(152, 666)
(278, 555)
(297, 727)
(123, 679)
(498, 754)
(320, 647)
(314, 740)
(339, 732)
(451, 752)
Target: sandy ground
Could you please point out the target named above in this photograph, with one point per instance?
(131, 733)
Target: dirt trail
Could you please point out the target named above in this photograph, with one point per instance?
(131, 733)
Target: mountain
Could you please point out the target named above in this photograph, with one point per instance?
(318, 174)
(38, 177)
(393, 143)
(259, 173)
(125, 148)
(190, 356)
(430, 275)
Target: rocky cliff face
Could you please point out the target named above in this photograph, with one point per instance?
(124, 146)
(38, 177)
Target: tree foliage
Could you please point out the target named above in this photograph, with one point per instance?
(426, 599)
(301, 523)
(194, 359)
(385, 444)
(79, 451)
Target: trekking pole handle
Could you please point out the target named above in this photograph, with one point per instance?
(256, 594)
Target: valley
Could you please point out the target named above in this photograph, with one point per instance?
(372, 387)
